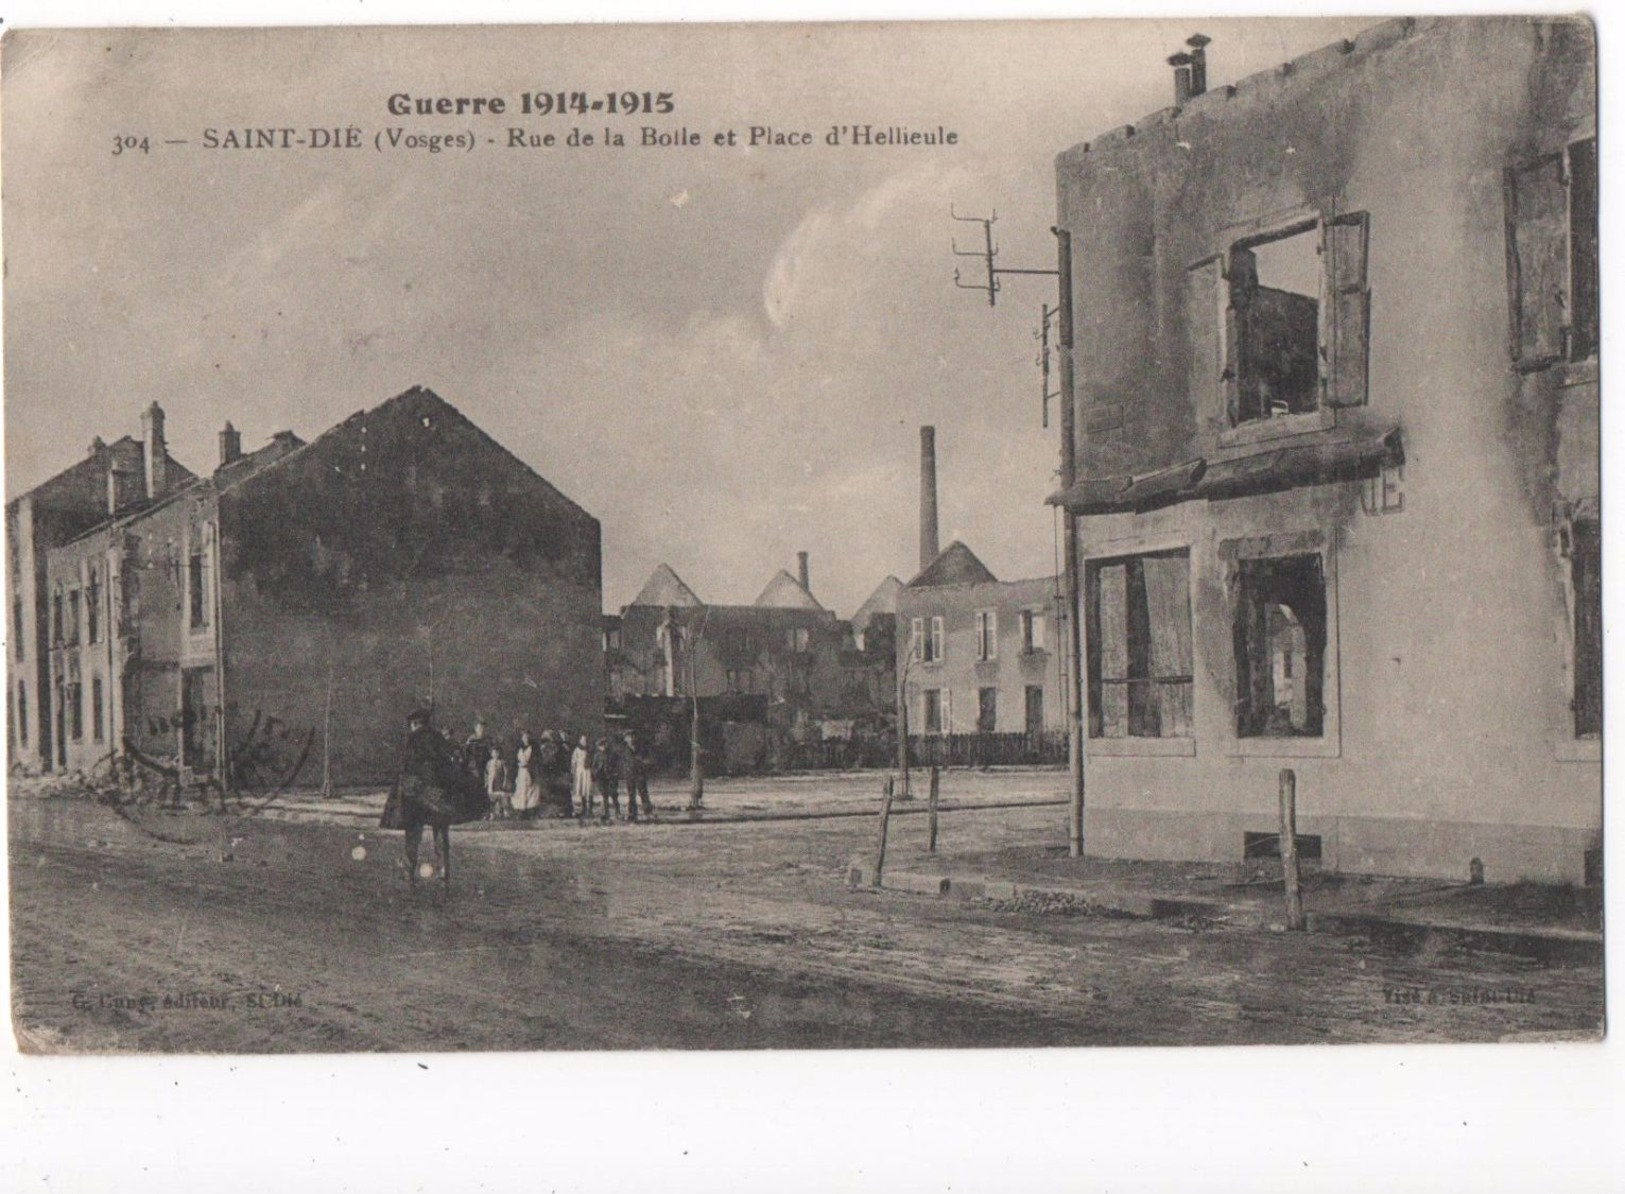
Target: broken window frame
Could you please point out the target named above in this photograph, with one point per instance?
(1141, 714)
(1254, 644)
(1343, 324)
(1288, 543)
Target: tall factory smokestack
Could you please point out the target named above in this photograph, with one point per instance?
(928, 496)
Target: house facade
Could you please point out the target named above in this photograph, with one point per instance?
(978, 654)
(45, 611)
(1337, 437)
(272, 624)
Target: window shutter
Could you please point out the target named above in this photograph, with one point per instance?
(1349, 322)
(1537, 260)
(1241, 277)
(1205, 320)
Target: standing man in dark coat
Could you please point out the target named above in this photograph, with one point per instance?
(433, 790)
(635, 771)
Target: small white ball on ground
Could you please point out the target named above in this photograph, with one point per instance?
(426, 870)
(359, 853)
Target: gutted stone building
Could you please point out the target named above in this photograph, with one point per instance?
(274, 622)
(785, 646)
(112, 479)
(1336, 435)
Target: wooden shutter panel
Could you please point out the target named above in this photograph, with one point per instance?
(1205, 317)
(1349, 319)
(1241, 278)
(1537, 260)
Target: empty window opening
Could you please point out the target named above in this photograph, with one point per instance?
(1032, 631)
(195, 587)
(1280, 635)
(93, 608)
(1274, 332)
(987, 710)
(1035, 710)
(931, 700)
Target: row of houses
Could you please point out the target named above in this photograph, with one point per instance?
(269, 624)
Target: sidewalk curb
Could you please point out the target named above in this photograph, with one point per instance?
(1565, 946)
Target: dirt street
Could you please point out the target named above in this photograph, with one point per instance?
(247, 934)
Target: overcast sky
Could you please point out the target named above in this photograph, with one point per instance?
(723, 354)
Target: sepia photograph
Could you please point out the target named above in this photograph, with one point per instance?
(724, 538)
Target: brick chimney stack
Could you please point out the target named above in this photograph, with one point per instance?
(155, 452)
(1190, 69)
(928, 496)
(806, 576)
(231, 445)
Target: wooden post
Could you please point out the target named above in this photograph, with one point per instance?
(1289, 847)
(327, 734)
(880, 841)
(931, 819)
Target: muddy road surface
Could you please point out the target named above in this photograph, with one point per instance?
(231, 934)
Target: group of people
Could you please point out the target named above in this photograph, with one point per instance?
(545, 774)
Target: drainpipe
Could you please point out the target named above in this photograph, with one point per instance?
(222, 754)
(1074, 618)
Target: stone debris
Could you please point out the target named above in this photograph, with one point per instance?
(1054, 903)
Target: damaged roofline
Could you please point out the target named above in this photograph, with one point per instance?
(1305, 67)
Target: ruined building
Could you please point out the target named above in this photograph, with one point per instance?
(1336, 436)
(112, 479)
(274, 622)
